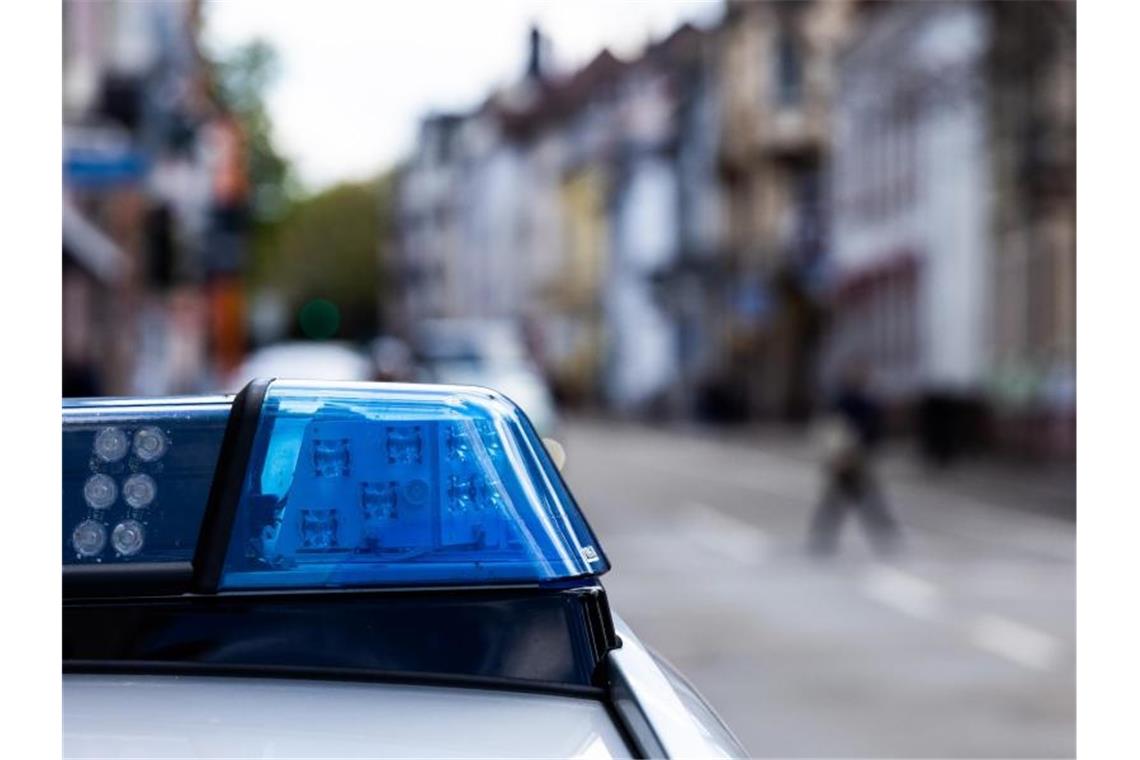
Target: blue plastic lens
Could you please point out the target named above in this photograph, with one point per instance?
(142, 502)
(390, 485)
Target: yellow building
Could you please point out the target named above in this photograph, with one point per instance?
(573, 298)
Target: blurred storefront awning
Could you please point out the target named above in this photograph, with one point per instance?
(101, 157)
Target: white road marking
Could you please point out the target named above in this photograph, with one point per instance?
(995, 634)
(1015, 641)
(904, 592)
(728, 536)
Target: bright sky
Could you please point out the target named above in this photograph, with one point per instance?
(358, 74)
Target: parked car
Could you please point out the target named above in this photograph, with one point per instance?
(309, 360)
(488, 353)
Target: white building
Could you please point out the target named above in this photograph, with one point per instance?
(427, 219)
(479, 210)
(911, 200)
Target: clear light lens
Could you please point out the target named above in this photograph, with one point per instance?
(139, 490)
(150, 444)
(188, 429)
(100, 491)
(127, 538)
(89, 538)
(111, 444)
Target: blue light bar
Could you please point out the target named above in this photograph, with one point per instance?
(358, 484)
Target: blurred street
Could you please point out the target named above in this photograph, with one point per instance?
(717, 240)
(962, 646)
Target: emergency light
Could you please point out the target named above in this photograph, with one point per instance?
(369, 532)
(299, 485)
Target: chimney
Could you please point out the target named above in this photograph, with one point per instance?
(534, 59)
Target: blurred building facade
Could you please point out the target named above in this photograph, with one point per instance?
(911, 203)
(1033, 105)
(953, 203)
(575, 205)
(671, 226)
(714, 227)
(779, 68)
(153, 180)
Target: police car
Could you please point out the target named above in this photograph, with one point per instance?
(343, 570)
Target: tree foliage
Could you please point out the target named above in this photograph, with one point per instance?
(243, 78)
(330, 246)
(327, 245)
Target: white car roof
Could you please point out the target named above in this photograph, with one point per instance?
(305, 361)
(214, 717)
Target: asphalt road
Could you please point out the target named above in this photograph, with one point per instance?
(962, 646)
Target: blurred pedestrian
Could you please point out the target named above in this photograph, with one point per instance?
(850, 438)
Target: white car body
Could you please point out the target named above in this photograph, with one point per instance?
(653, 713)
(151, 716)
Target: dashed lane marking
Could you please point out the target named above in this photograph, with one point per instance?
(724, 535)
(1014, 641)
(995, 634)
(907, 593)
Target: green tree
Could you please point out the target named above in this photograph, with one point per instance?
(330, 246)
(243, 77)
(307, 249)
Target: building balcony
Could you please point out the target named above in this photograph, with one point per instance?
(787, 133)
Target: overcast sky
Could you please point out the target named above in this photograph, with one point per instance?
(357, 75)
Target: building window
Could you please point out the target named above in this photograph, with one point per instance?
(789, 70)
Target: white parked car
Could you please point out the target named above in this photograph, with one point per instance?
(488, 353)
(344, 570)
(312, 360)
